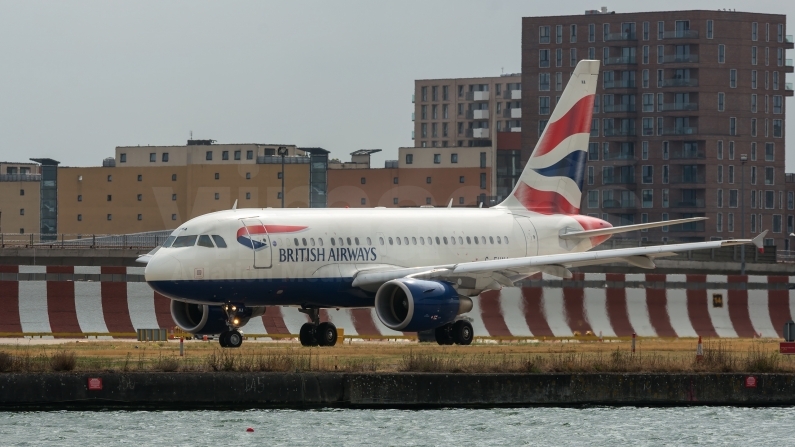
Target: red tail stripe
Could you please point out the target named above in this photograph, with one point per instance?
(576, 120)
(544, 202)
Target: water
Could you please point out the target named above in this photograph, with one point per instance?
(590, 427)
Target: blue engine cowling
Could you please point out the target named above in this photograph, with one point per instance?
(199, 319)
(411, 305)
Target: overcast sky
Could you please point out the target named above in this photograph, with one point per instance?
(78, 78)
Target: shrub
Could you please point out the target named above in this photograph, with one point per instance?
(63, 361)
(6, 361)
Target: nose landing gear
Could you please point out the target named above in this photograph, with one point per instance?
(317, 333)
(235, 314)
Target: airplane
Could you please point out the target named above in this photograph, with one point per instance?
(419, 267)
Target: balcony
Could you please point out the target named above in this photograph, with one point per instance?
(619, 132)
(621, 60)
(515, 113)
(618, 108)
(412, 116)
(680, 59)
(619, 156)
(788, 89)
(788, 42)
(788, 68)
(686, 154)
(621, 83)
(516, 129)
(615, 204)
(477, 96)
(621, 36)
(680, 106)
(412, 99)
(619, 180)
(478, 114)
(692, 203)
(681, 34)
(680, 131)
(20, 177)
(680, 83)
(688, 179)
(513, 94)
(478, 133)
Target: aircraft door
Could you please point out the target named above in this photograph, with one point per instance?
(531, 237)
(255, 235)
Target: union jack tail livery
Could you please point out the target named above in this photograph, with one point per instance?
(551, 183)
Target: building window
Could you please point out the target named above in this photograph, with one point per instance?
(753, 103)
(152, 157)
(719, 175)
(224, 155)
(754, 31)
(363, 180)
(777, 131)
(753, 127)
(721, 101)
(249, 155)
(110, 216)
(753, 151)
(453, 158)
(395, 201)
(543, 58)
(721, 53)
(248, 176)
(720, 198)
(140, 197)
(428, 202)
(645, 78)
(732, 126)
(558, 82)
(22, 211)
(770, 151)
(409, 159)
(753, 175)
(559, 57)
(543, 82)
(645, 150)
(173, 197)
(279, 175)
(237, 155)
(110, 178)
(777, 223)
(165, 157)
(427, 180)
(719, 150)
(482, 160)
(483, 180)
(173, 217)
(660, 54)
(647, 174)
(573, 57)
(778, 104)
(558, 33)
(665, 173)
(394, 180)
(731, 174)
(217, 196)
(710, 29)
(660, 30)
(80, 198)
(730, 223)
(543, 105)
(593, 150)
(769, 175)
(733, 201)
(593, 199)
(437, 159)
(590, 175)
(173, 177)
(647, 198)
(140, 217)
(122, 158)
(461, 179)
(110, 197)
(573, 33)
(753, 56)
(364, 201)
(217, 176)
(79, 217)
(208, 155)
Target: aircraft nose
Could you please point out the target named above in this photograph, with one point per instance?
(163, 267)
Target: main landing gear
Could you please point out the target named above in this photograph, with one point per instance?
(460, 333)
(232, 338)
(317, 333)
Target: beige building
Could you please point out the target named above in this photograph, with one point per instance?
(19, 198)
(151, 188)
(466, 112)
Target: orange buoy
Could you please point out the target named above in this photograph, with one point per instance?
(249, 430)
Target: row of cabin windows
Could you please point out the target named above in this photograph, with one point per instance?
(203, 240)
(110, 217)
(140, 197)
(477, 240)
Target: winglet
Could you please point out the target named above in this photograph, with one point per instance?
(759, 241)
(234, 207)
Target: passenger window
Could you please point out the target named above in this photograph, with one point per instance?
(169, 241)
(452, 240)
(303, 239)
(430, 240)
(185, 241)
(491, 240)
(219, 241)
(460, 240)
(437, 241)
(390, 241)
(320, 241)
(204, 241)
(499, 241)
(369, 242)
(413, 240)
(469, 241)
(341, 244)
(381, 240)
(356, 239)
(349, 241)
(506, 239)
(333, 242)
(406, 240)
(312, 241)
(483, 240)
(295, 240)
(422, 241)
(476, 240)
(445, 240)
(398, 240)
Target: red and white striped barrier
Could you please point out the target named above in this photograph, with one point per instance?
(649, 305)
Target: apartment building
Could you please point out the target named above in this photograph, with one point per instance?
(465, 112)
(20, 194)
(688, 117)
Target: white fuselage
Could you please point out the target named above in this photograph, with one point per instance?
(310, 256)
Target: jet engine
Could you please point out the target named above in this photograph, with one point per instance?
(411, 305)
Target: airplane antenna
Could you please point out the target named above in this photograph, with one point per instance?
(234, 207)
(450, 205)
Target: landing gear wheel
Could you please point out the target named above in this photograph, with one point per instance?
(234, 339)
(326, 334)
(444, 334)
(307, 335)
(222, 339)
(462, 332)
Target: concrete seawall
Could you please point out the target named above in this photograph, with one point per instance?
(395, 390)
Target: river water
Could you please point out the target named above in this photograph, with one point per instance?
(589, 427)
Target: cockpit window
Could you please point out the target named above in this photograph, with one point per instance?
(169, 241)
(204, 241)
(219, 241)
(185, 241)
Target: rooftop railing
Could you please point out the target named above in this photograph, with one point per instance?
(20, 177)
(275, 159)
(84, 241)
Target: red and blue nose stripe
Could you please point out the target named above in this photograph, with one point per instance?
(244, 232)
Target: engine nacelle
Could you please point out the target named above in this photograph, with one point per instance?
(411, 305)
(198, 318)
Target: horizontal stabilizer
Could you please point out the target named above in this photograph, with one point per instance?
(627, 228)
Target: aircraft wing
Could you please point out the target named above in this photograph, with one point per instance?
(626, 228)
(506, 271)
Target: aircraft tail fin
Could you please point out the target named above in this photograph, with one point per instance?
(551, 182)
